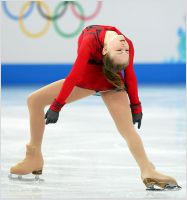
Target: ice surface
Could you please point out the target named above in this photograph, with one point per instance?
(85, 156)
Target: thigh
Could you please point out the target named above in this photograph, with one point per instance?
(45, 95)
(117, 104)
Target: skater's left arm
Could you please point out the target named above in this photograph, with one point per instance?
(132, 87)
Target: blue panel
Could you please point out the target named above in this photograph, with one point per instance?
(161, 73)
(18, 74)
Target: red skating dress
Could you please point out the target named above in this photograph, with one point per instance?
(87, 69)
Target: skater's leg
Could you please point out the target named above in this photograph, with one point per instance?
(118, 106)
(42, 97)
(33, 161)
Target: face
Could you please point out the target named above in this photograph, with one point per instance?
(118, 49)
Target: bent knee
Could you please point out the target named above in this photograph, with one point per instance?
(34, 100)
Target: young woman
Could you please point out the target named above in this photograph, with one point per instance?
(103, 51)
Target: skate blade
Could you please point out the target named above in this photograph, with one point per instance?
(27, 178)
(37, 172)
(168, 187)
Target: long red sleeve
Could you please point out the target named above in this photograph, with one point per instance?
(131, 80)
(130, 76)
(76, 73)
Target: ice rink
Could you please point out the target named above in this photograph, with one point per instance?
(86, 157)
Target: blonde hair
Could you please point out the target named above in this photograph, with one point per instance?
(111, 70)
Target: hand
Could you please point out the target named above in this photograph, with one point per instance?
(136, 110)
(53, 112)
(51, 116)
(137, 118)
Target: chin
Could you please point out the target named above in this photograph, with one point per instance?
(126, 63)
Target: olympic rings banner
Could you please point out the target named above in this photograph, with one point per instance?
(45, 12)
(47, 31)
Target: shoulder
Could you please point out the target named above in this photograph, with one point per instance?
(86, 43)
(88, 39)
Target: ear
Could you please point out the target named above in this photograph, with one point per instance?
(104, 51)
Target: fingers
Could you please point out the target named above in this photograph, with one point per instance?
(133, 120)
(50, 121)
(139, 123)
(54, 121)
(46, 115)
(137, 118)
(47, 121)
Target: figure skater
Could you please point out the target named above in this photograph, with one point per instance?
(103, 52)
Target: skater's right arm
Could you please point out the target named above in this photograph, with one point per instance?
(74, 76)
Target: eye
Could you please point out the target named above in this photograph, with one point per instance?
(120, 51)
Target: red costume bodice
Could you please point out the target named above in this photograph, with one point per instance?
(87, 69)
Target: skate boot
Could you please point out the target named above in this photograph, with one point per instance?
(161, 184)
(33, 163)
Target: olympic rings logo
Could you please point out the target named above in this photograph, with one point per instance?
(45, 12)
